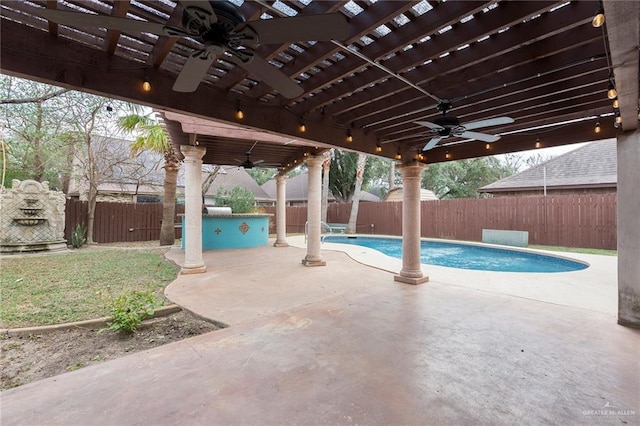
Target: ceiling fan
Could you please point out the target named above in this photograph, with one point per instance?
(248, 164)
(223, 31)
(448, 125)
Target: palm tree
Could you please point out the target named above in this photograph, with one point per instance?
(153, 137)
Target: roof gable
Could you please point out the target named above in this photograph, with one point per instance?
(594, 164)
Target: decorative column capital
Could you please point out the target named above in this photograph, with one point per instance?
(193, 152)
(314, 161)
(413, 169)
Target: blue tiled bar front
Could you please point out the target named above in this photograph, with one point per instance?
(232, 231)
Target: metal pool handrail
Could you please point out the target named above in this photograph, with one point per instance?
(327, 227)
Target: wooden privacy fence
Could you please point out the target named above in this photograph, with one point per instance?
(563, 220)
(587, 220)
(118, 222)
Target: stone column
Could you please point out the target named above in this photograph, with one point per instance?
(193, 263)
(281, 212)
(628, 229)
(314, 201)
(411, 272)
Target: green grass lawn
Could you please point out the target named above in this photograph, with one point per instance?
(577, 250)
(77, 285)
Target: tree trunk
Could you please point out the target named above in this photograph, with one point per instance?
(38, 167)
(355, 201)
(66, 176)
(91, 212)
(167, 230)
(92, 196)
(208, 181)
(324, 204)
(392, 175)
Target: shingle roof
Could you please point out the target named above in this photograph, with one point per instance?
(297, 190)
(593, 165)
(228, 178)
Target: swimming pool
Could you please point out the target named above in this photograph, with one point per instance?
(468, 256)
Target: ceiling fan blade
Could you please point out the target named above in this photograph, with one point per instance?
(270, 75)
(193, 71)
(331, 26)
(77, 19)
(432, 143)
(258, 162)
(480, 136)
(432, 126)
(488, 123)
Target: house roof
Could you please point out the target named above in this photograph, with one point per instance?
(591, 166)
(228, 178)
(297, 189)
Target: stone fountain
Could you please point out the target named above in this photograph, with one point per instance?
(31, 218)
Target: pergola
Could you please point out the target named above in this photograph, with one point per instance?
(541, 63)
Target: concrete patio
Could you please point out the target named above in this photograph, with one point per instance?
(345, 344)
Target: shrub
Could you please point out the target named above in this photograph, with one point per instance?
(240, 199)
(79, 235)
(128, 310)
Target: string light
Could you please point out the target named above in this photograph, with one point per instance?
(302, 127)
(597, 129)
(146, 86)
(598, 19)
(447, 155)
(618, 118)
(538, 143)
(239, 114)
(487, 146)
(398, 156)
(616, 103)
(349, 136)
(378, 148)
(611, 91)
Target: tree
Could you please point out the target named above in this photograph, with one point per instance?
(519, 162)
(33, 119)
(355, 201)
(381, 175)
(463, 178)
(153, 137)
(342, 175)
(326, 170)
(262, 174)
(240, 199)
(89, 118)
(52, 132)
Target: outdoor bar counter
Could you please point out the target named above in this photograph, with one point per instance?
(232, 230)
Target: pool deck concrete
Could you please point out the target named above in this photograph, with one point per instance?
(345, 344)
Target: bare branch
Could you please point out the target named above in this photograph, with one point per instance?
(34, 100)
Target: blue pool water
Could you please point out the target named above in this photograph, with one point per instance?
(467, 256)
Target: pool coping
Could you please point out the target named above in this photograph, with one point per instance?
(593, 288)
